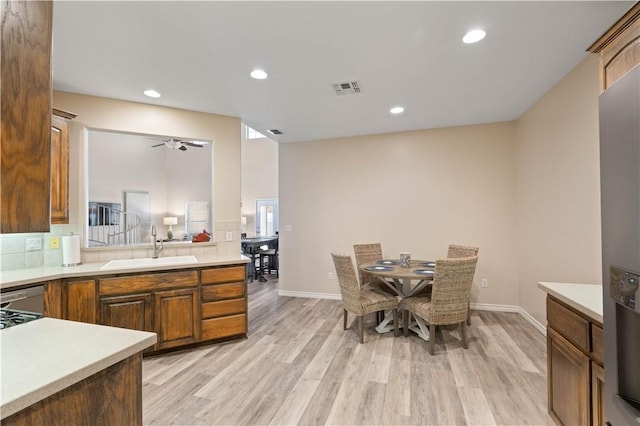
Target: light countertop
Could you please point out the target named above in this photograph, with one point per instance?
(45, 356)
(23, 277)
(585, 298)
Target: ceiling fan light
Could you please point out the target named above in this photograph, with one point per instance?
(173, 144)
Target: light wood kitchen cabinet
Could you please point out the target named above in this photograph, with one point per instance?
(177, 317)
(60, 166)
(25, 108)
(619, 48)
(575, 374)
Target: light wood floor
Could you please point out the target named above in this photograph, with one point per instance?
(298, 366)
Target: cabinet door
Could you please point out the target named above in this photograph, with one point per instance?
(25, 127)
(176, 317)
(81, 301)
(59, 170)
(597, 393)
(131, 311)
(568, 381)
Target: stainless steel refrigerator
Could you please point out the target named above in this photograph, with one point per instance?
(620, 203)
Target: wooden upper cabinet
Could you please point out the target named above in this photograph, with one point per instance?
(60, 166)
(25, 128)
(619, 48)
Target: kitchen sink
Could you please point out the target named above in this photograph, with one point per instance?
(147, 262)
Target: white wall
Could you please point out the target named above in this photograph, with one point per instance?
(558, 184)
(526, 193)
(259, 176)
(412, 191)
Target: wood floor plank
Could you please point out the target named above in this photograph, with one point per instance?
(297, 366)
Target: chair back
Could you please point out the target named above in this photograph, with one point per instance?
(461, 251)
(349, 287)
(451, 290)
(367, 253)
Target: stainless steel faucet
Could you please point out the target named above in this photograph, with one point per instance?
(156, 250)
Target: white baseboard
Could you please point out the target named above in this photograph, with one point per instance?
(308, 295)
(511, 308)
(477, 306)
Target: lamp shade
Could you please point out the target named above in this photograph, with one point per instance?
(170, 220)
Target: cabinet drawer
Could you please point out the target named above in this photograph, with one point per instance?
(223, 275)
(212, 293)
(147, 282)
(216, 328)
(569, 324)
(223, 308)
(597, 343)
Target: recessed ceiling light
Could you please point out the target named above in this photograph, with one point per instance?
(396, 110)
(259, 74)
(152, 93)
(474, 36)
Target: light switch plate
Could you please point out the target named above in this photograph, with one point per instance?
(230, 236)
(34, 244)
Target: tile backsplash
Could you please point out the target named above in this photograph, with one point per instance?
(19, 251)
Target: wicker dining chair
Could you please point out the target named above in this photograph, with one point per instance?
(370, 253)
(456, 251)
(448, 302)
(361, 301)
(461, 251)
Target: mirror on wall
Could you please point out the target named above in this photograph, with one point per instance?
(136, 181)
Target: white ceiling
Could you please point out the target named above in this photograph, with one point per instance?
(199, 55)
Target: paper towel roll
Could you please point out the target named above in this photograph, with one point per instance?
(71, 250)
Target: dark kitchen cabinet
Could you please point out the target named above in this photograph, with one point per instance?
(130, 311)
(183, 307)
(71, 299)
(25, 128)
(60, 166)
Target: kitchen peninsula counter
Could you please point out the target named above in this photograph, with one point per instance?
(23, 277)
(46, 356)
(585, 298)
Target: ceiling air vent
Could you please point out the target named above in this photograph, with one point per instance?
(274, 131)
(347, 88)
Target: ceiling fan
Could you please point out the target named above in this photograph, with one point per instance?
(181, 144)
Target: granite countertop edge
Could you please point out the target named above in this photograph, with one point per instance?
(585, 298)
(23, 277)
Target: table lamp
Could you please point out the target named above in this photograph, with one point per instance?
(170, 220)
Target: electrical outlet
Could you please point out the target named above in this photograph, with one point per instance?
(330, 275)
(485, 283)
(230, 236)
(54, 242)
(34, 244)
